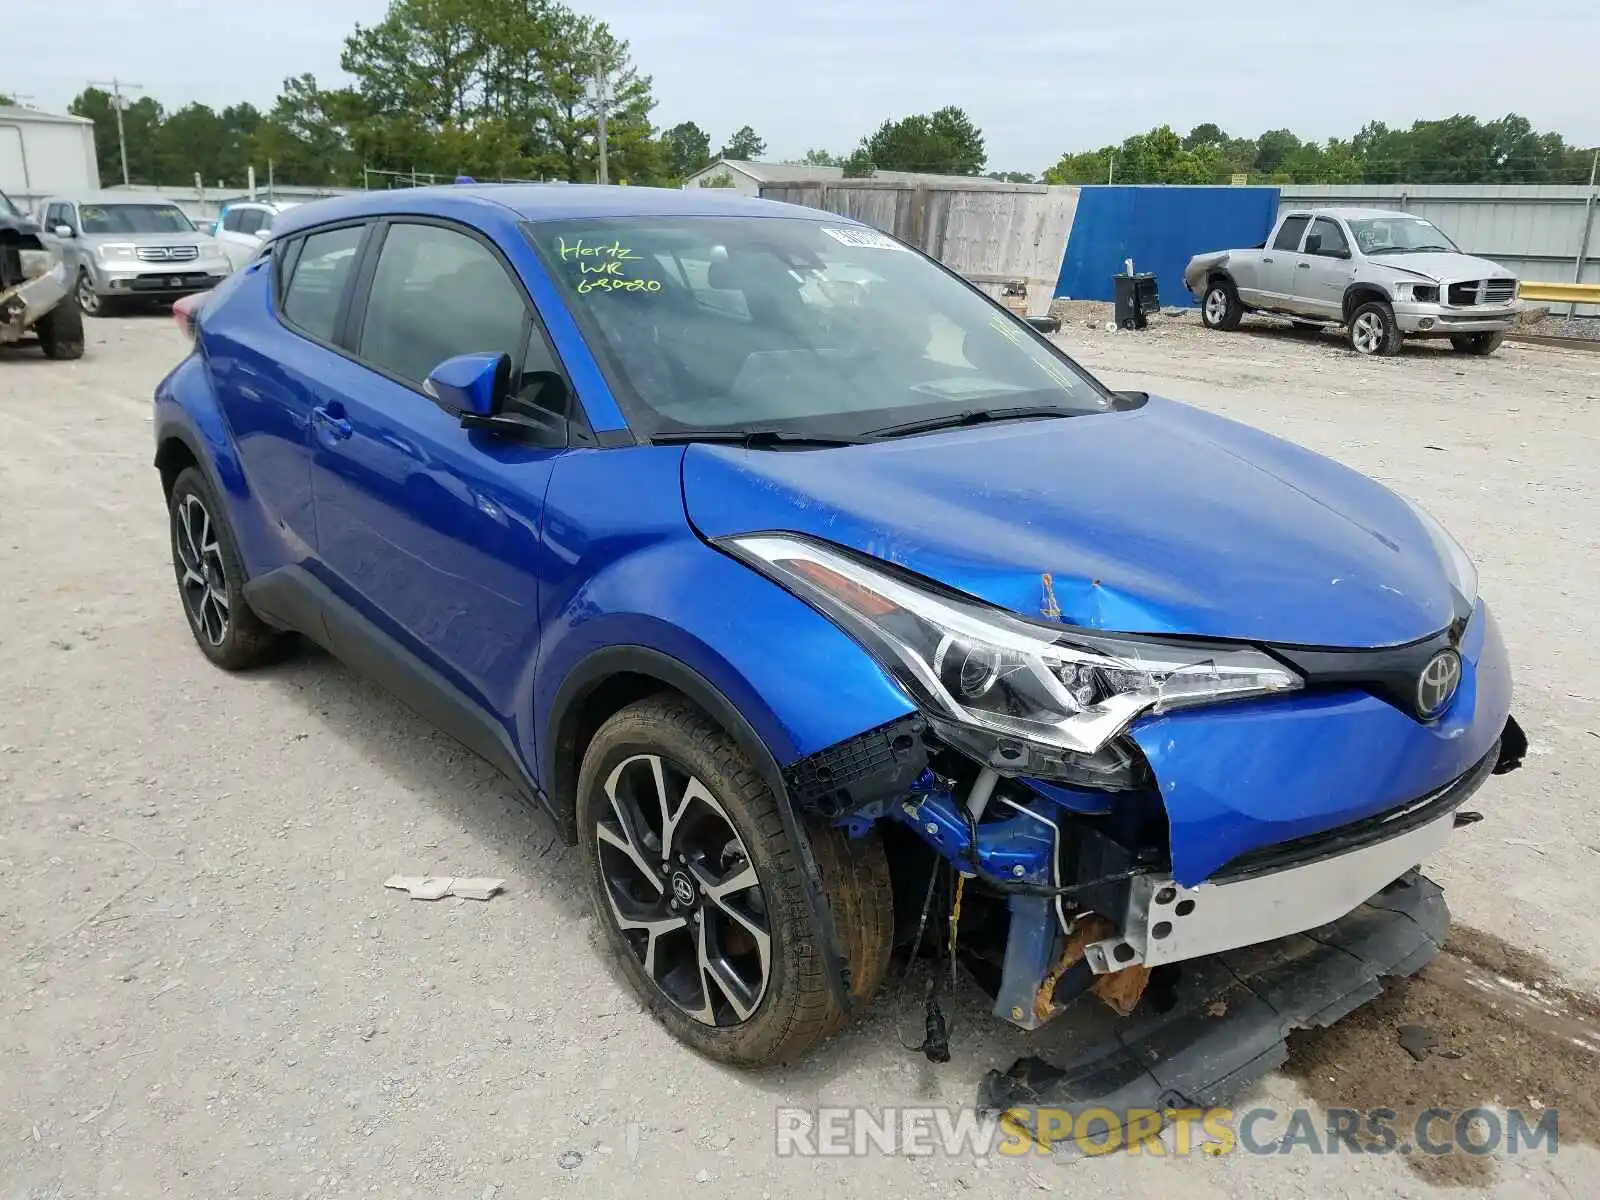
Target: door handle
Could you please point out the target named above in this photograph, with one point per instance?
(1266, 260)
(330, 426)
(1304, 266)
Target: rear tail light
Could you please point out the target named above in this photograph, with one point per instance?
(185, 311)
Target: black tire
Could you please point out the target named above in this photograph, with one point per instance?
(1374, 331)
(1220, 307)
(61, 330)
(90, 302)
(1477, 343)
(205, 561)
(794, 1007)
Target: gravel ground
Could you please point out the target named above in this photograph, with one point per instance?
(1553, 325)
(206, 991)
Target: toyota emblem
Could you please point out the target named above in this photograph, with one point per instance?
(1437, 684)
(682, 888)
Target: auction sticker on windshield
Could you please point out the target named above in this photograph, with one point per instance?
(868, 239)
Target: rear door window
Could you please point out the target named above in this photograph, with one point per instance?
(314, 293)
(1289, 235)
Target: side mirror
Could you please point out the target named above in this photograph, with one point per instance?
(1314, 244)
(475, 388)
(63, 231)
(470, 385)
(1345, 253)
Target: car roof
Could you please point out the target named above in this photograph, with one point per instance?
(544, 202)
(1353, 214)
(111, 198)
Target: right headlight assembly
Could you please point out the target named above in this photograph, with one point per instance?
(1017, 694)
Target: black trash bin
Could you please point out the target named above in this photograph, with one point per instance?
(1136, 299)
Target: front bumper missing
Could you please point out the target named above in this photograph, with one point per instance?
(23, 305)
(1230, 1015)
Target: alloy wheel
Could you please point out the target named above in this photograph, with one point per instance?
(88, 298)
(201, 576)
(683, 890)
(1368, 333)
(1216, 305)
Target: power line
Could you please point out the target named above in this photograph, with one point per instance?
(116, 86)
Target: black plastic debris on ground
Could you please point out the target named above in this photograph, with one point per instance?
(1233, 1013)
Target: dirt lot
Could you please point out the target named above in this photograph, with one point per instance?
(205, 990)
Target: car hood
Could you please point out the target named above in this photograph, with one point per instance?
(18, 224)
(1442, 268)
(1162, 519)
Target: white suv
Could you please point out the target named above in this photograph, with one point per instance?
(244, 226)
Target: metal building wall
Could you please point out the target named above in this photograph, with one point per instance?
(1543, 232)
(990, 233)
(42, 155)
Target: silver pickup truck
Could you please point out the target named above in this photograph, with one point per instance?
(1382, 275)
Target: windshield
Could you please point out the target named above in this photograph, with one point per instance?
(1398, 235)
(7, 207)
(133, 218)
(737, 323)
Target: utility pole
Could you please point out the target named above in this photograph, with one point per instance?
(601, 87)
(1111, 167)
(116, 86)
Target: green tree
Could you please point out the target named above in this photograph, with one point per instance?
(1088, 166)
(1273, 149)
(945, 142)
(1206, 134)
(1012, 176)
(141, 123)
(310, 131)
(859, 165)
(744, 146)
(687, 148)
(820, 158)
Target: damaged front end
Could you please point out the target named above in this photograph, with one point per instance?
(32, 279)
(1118, 812)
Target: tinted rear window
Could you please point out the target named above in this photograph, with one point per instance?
(314, 292)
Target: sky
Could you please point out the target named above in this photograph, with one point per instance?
(1039, 79)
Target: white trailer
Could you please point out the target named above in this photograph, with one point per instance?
(45, 154)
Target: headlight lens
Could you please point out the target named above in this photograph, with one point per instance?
(973, 667)
(1462, 573)
(37, 263)
(116, 252)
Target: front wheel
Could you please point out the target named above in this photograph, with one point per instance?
(61, 330)
(1220, 309)
(1477, 343)
(701, 894)
(90, 302)
(1373, 330)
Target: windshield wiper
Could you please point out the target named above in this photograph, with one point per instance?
(971, 416)
(752, 439)
(1410, 249)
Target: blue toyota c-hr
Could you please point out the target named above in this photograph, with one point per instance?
(827, 606)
